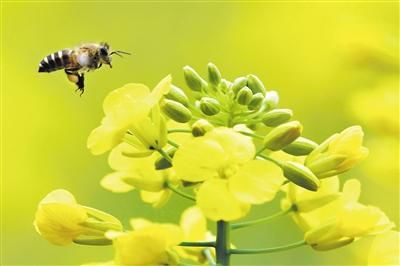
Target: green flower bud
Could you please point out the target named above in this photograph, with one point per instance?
(256, 101)
(178, 95)
(301, 146)
(238, 84)
(255, 84)
(224, 85)
(282, 135)
(277, 117)
(300, 175)
(176, 111)
(193, 80)
(244, 96)
(271, 100)
(214, 76)
(209, 106)
(201, 127)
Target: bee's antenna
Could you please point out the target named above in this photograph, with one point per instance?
(119, 53)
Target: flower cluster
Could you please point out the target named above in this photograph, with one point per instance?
(225, 146)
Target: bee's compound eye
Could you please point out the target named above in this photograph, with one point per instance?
(103, 51)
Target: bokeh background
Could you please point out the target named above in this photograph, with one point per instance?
(334, 63)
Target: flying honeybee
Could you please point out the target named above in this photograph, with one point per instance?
(79, 60)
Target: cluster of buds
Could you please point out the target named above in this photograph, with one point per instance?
(226, 146)
(224, 103)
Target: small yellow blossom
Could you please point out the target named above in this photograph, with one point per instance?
(128, 108)
(385, 249)
(139, 173)
(353, 221)
(61, 220)
(148, 244)
(338, 153)
(223, 160)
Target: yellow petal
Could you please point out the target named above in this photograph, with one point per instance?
(193, 224)
(59, 196)
(156, 199)
(238, 147)
(161, 88)
(131, 93)
(358, 220)
(115, 183)
(139, 223)
(385, 249)
(256, 182)
(104, 138)
(199, 159)
(218, 203)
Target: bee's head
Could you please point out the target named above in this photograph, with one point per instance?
(105, 55)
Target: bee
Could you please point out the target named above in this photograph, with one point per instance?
(77, 61)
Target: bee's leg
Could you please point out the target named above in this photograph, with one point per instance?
(81, 83)
(74, 77)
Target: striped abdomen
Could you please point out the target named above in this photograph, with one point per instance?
(55, 61)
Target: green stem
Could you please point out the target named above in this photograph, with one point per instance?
(165, 155)
(261, 220)
(251, 134)
(173, 143)
(278, 163)
(223, 243)
(93, 242)
(179, 130)
(268, 250)
(180, 193)
(197, 244)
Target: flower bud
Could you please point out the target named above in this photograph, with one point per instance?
(271, 100)
(193, 80)
(209, 106)
(176, 111)
(61, 220)
(224, 85)
(244, 96)
(255, 84)
(282, 135)
(301, 146)
(338, 153)
(214, 76)
(238, 84)
(178, 95)
(300, 175)
(201, 127)
(256, 101)
(276, 117)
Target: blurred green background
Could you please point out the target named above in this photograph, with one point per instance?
(334, 64)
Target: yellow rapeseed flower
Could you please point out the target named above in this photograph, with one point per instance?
(223, 160)
(139, 173)
(353, 221)
(338, 153)
(128, 108)
(61, 220)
